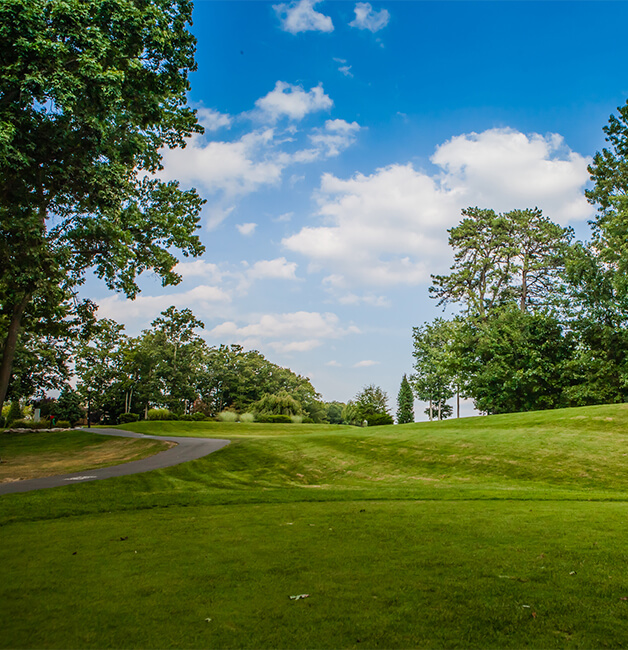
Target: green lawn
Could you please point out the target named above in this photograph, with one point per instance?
(507, 531)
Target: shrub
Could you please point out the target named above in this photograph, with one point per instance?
(274, 418)
(63, 424)
(199, 417)
(227, 416)
(15, 412)
(296, 419)
(68, 406)
(2, 422)
(247, 417)
(128, 417)
(379, 419)
(161, 414)
(30, 424)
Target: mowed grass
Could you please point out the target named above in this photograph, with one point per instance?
(49, 453)
(506, 531)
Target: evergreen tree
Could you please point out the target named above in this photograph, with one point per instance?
(405, 403)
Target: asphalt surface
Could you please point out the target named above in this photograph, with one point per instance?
(185, 449)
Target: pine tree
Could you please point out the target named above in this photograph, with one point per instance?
(405, 403)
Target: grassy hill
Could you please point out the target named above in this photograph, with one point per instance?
(501, 531)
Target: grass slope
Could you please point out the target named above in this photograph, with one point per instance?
(505, 531)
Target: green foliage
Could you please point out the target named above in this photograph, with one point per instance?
(516, 362)
(63, 424)
(609, 173)
(128, 417)
(91, 91)
(379, 419)
(227, 416)
(30, 424)
(160, 414)
(437, 366)
(247, 417)
(15, 412)
(370, 401)
(274, 418)
(281, 403)
(405, 403)
(334, 412)
(68, 406)
(501, 258)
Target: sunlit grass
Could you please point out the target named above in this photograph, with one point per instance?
(494, 532)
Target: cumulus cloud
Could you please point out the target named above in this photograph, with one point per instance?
(289, 332)
(366, 18)
(199, 268)
(389, 227)
(246, 228)
(335, 137)
(235, 168)
(277, 269)
(300, 16)
(203, 297)
(212, 120)
(293, 102)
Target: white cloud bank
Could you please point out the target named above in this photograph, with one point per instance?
(389, 228)
(366, 18)
(300, 16)
(289, 332)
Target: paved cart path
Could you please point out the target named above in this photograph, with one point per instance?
(185, 449)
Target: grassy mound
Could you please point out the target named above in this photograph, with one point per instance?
(504, 531)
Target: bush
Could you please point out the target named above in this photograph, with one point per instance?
(296, 419)
(227, 416)
(2, 422)
(274, 418)
(161, 414)
(198, 417)
(379, 419)
(15, 412)
(247, 417)
(63, 424)
(128, 417)
(30, 424)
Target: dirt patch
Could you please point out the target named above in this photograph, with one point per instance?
(111, 452)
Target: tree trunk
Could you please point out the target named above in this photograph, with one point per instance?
(10, 344)
(457, 402)
(430, 409)
(439, 411)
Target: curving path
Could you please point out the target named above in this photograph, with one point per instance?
(185, 449)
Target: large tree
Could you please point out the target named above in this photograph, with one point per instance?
(90, 91)
(405, 402)
(517, 256)
(609, 173)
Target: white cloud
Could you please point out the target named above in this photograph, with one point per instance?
(144, 307)
(367, 363)
(285, 217)
(246, 228)
(235, 168)
(199, 268)
(389, 228)
(300, 16)
(506, 169)
(333, 364)
(366, 18)
(212, 120)
(288, 332)
(293, 102)
(346, 70)
(335, 137)
(277, 269)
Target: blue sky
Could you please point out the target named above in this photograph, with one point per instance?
(343, 139)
